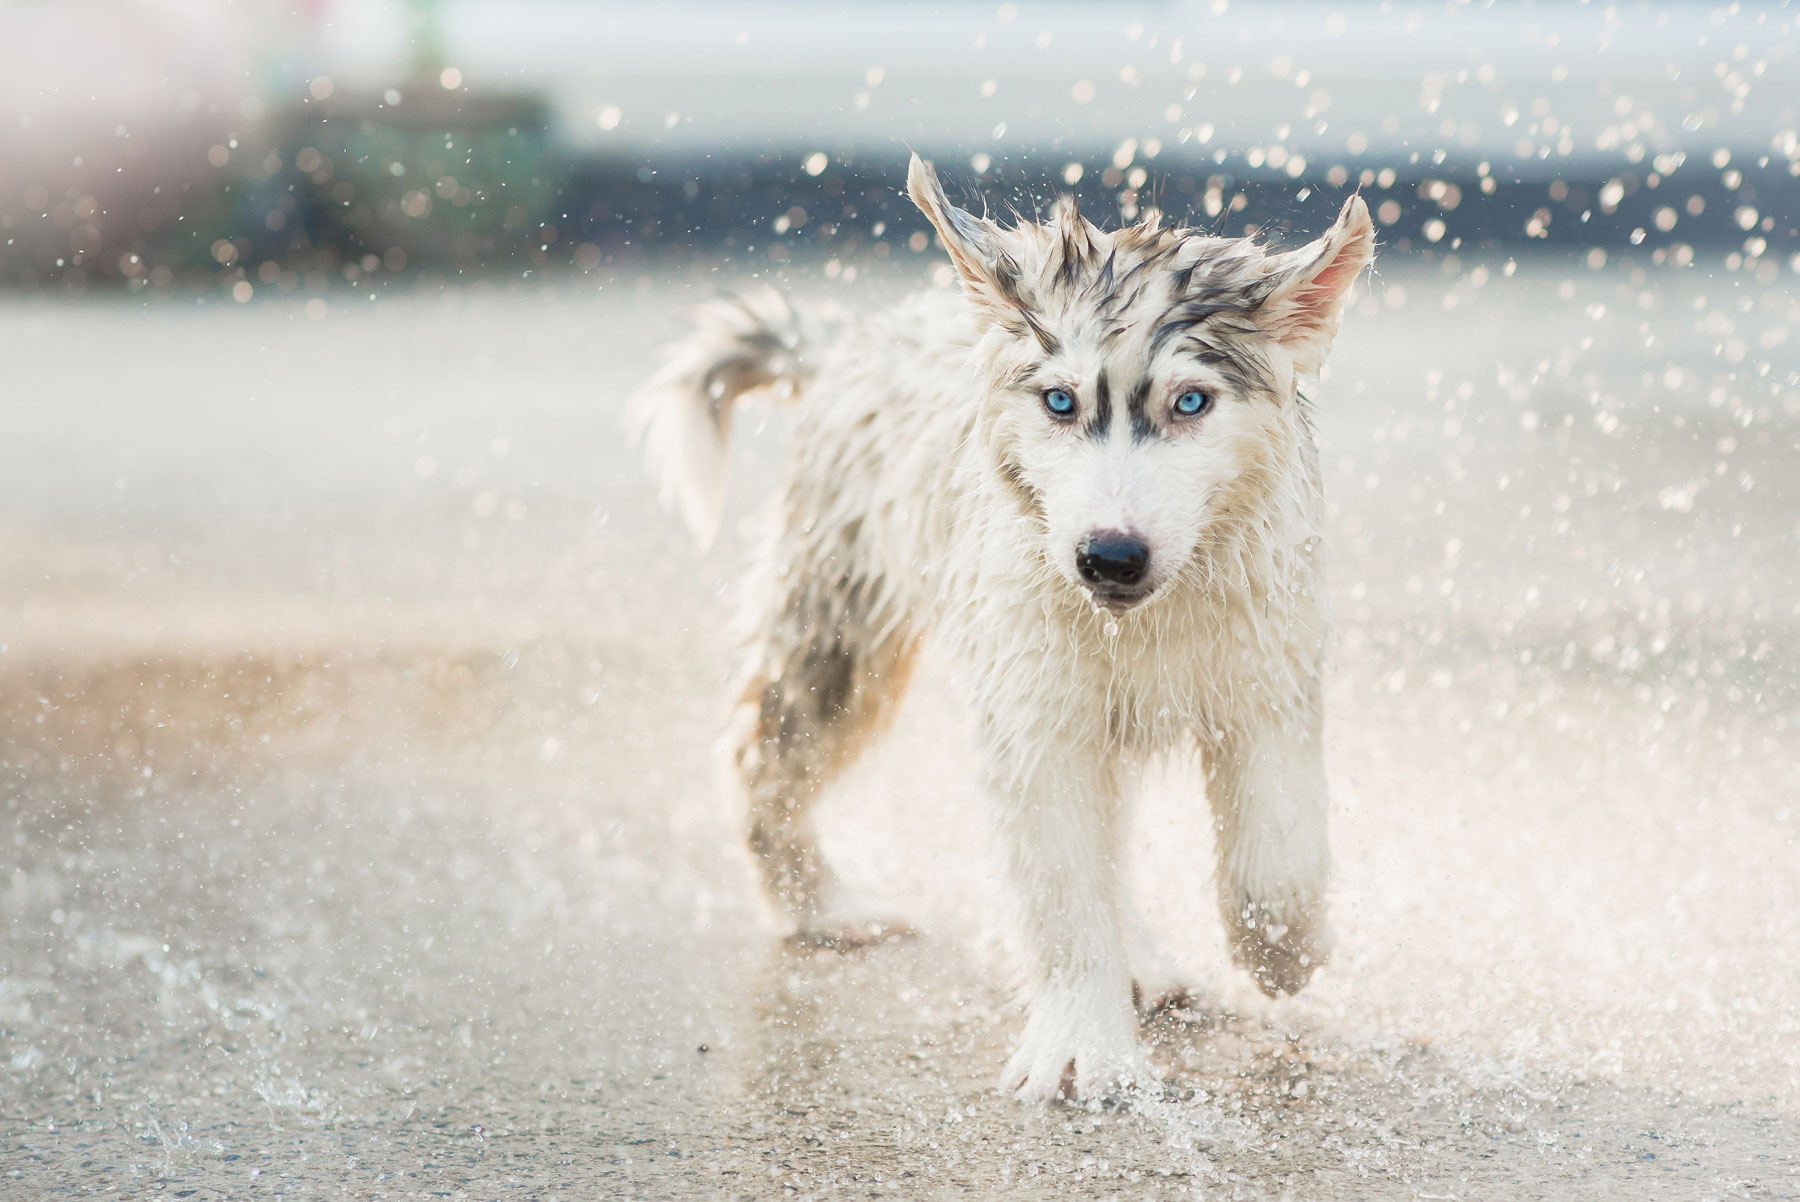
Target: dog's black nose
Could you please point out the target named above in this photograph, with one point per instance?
(1112, 558)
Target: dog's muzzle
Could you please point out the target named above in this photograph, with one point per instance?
(1115, 566)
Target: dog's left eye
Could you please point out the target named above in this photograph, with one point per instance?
(1192, 403)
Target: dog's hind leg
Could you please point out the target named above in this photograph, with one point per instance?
(819, 682)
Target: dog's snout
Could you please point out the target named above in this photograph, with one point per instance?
(1112, 558)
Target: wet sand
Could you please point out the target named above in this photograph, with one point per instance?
(364, 836)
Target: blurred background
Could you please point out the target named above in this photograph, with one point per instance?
(299, 147)
(356, 702)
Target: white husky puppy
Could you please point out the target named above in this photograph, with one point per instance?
(1093, 479)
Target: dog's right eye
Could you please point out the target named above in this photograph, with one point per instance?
(1059, 402)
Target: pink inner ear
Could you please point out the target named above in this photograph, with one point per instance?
(1311, 310)
(1338, 274)
(1306, 318)
(1319, 295)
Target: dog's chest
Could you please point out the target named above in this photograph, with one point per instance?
(1154, 691)
(1152, 684)
(1083, 676)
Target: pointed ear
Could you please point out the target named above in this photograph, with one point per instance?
(990, 275)
(1309, 287)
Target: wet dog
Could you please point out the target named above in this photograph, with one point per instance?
(1092, 478)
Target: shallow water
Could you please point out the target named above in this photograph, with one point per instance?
(365, 834)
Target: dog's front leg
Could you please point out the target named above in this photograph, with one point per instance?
(1056, 819)
(1266, 782)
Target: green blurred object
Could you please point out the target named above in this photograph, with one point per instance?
(428, 38)
(444, 176)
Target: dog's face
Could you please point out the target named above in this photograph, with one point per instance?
(1141, 381)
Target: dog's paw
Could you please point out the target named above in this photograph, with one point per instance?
(1077, 1047)
(1160, 997)
(1281, 958)
(1156, 986)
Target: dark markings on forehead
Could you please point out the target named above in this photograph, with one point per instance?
(1137, 407)
(1102, 419)
(1007, 277)
(1183, 316)
(1024, 323)
(1215, 326)
(1244, 368)
(1123, 303)
(1020, 377)
(1103, 282)
(1118, 302)
(1116, 294)
(1073, 258)
(1074, 239)
(1208, 307)
(1045, 338)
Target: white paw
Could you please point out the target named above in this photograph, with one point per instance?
(1077, 1045)
(1156, 984)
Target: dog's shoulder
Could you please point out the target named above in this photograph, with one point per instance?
(927, 324)
(900, 362)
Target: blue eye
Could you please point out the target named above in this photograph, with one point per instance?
(1192, 403)
(1059, 402)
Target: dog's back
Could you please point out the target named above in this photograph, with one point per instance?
(883, 409)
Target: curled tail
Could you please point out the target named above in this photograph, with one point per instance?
(740, 344)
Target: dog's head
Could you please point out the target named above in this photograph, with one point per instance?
(1141, 382)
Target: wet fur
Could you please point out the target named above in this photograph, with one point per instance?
(928, 495)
